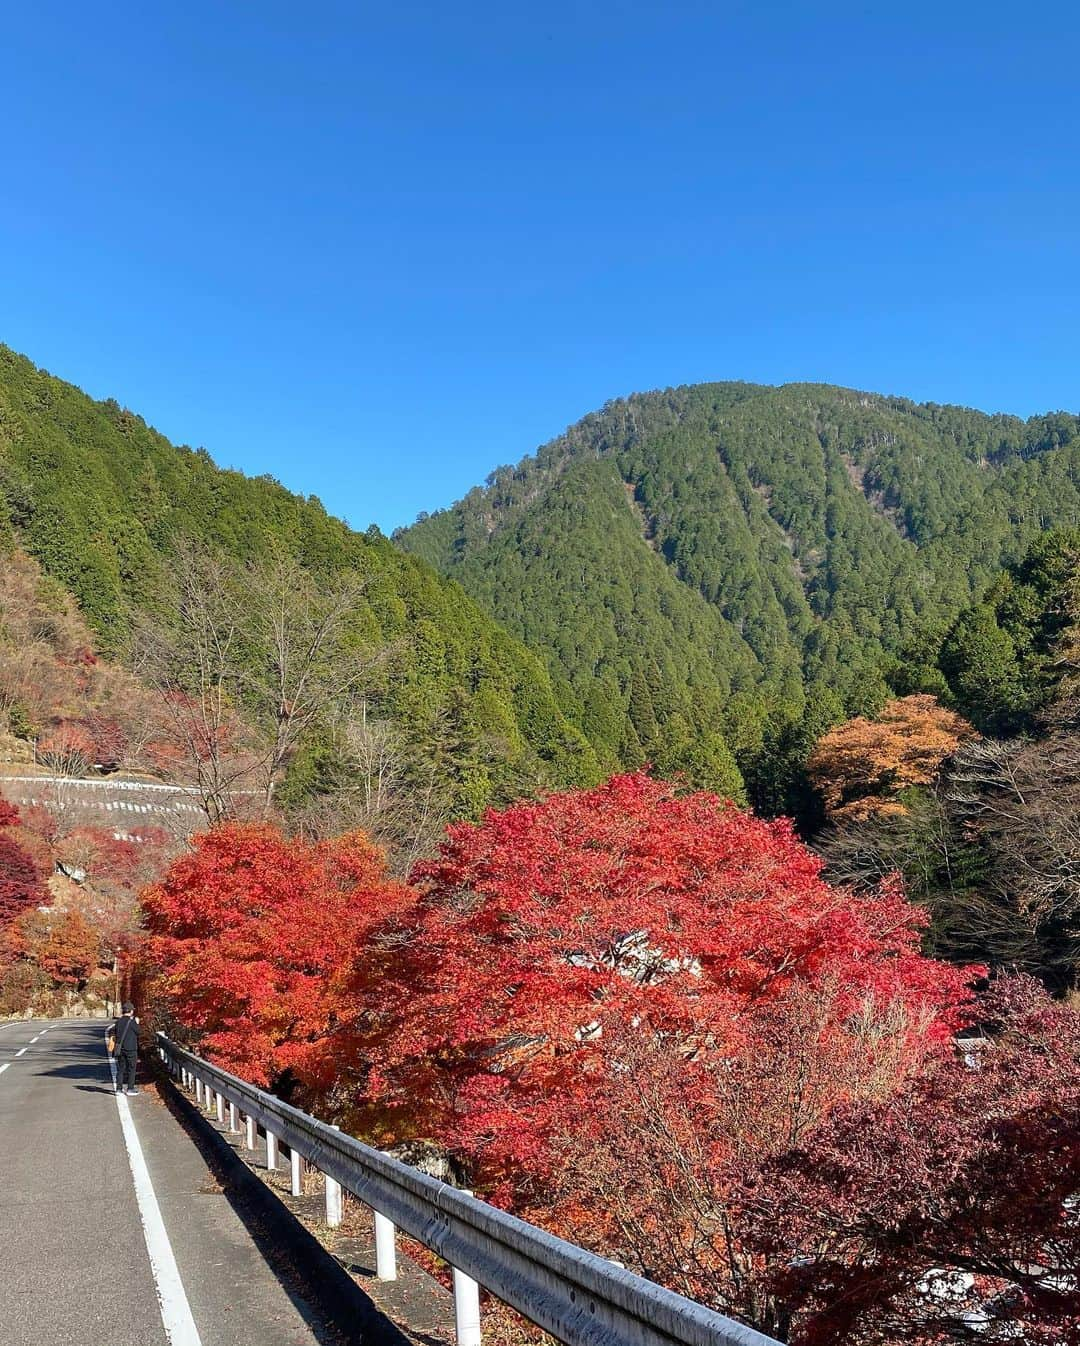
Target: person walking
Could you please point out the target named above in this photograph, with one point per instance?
(125, 1048)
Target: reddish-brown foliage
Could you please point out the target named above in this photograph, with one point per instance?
(20, 881)
(645, 1019)
(946, 1211)
(67, 748)
(861, 766)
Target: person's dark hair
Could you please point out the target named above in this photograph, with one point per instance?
(127, 1007)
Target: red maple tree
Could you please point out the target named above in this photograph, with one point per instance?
(256, 945)
(612, 975)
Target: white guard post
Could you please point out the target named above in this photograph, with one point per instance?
(466, 1307)
(252, 1133)
(333, 1199)
(271, 1150)
(295, 1163)
(385, 1250)
(234, 1118)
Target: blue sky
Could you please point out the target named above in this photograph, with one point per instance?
(378, 250)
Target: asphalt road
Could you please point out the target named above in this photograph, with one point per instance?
(77, 1265)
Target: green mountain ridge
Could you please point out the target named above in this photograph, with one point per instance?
(101, 500)
(817, 544)
(703, 578)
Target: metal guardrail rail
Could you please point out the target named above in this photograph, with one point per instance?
(579, 1298)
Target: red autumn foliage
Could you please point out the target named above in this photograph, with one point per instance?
(20, 881)
(255, 944)
(548, 930)
(67, 748)
(108, 738)
(39, 820)
(643, 1018)
(114, 863)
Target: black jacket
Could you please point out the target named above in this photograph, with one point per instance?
(126, 1031)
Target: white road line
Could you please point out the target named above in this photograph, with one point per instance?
(175, 1310)
(33, 1040)
(4, 1067)
(20, 1052)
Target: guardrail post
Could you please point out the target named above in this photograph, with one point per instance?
(221, 1109)
(466, 1305)
(198, 1091)
(333, 1199)
(547, 1279)
(385, 1249)
(466, 1309)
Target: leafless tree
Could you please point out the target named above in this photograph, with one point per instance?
(246, 663)
(192, 658)
(300, 662)
(377, 782)
(1020, 800)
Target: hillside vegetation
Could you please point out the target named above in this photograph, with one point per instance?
(753, 561)
(103, 502)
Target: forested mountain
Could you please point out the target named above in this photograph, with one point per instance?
(102, 502)
(704, 578)
(751, 561)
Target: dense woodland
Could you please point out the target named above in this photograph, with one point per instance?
(755, 562)
(494, 866)
(103, 503)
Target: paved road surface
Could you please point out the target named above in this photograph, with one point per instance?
(83, 1258)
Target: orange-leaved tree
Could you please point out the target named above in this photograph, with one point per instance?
(862, 765)
(257, 945)
(69, 948)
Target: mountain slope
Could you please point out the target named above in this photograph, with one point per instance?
(831, 535)
(100, 500)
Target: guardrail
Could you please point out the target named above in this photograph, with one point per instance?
(577, 1297)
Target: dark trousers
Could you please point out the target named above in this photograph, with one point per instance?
(125, 1070)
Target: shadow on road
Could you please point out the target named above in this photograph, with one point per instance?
(309, 1275)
